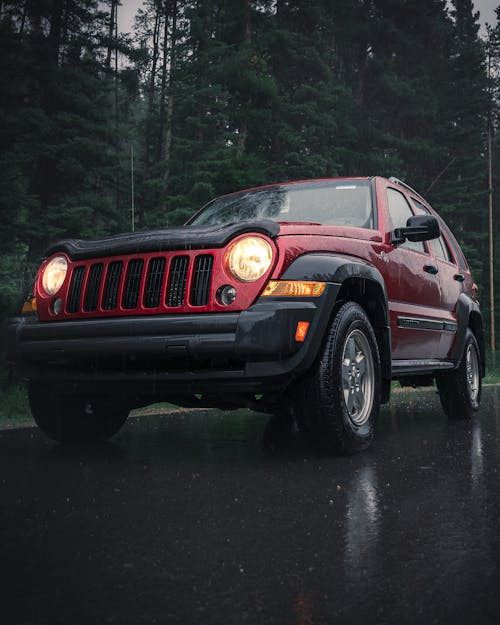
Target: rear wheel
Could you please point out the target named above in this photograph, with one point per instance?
(339, 400)
(460, 390)
(75, 417)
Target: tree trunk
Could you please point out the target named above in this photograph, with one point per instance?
(117, 135)
(163, 88)
(149, 113)
(23, 18)
(243, 125)
(111, 30)
(56, 28)
(170, 103)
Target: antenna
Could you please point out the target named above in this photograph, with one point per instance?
(490, 218)
(132, 186)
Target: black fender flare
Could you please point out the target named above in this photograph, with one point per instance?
(468, 316)
(324, 267)
(337, 268)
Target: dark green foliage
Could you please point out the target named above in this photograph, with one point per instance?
(217, 95)
(58, 167)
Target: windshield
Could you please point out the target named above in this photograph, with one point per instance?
(338, 203)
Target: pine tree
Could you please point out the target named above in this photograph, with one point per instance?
(312, 130)
(58, 135)
(462, 192)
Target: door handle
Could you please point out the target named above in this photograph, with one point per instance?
(431, 269)
(459, 277)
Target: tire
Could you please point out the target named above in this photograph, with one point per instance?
(339, 401)
(460, 390)
(76, 417)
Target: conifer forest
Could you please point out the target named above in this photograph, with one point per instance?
(103, 131)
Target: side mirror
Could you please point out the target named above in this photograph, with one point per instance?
(418, 228)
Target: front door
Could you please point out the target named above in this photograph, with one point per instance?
(413, 290)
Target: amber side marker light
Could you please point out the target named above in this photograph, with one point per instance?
(294, 288)
(29, 306)
(301, 331)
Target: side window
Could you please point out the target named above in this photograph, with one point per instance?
(399, 212)
(462, 263)
(440, 249)
(438, 246)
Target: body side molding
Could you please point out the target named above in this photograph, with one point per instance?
(419, 367)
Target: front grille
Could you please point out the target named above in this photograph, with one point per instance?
(132, 283)
(110, 296)
(139, 284)
(93, 284)
(201, 283)
(154, 281)
(177, 281)
(75, 289)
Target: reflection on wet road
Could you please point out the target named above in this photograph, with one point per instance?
(183, 518)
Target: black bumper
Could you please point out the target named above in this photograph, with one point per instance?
(251, 351)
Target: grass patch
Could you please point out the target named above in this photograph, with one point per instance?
(14, 407)
(492, 369)
(492, 374)
(154, 409)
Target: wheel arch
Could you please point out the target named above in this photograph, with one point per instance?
(359, 282)
(469, 317)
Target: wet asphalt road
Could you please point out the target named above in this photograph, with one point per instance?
(183, 518)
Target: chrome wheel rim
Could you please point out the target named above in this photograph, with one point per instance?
(358, 377)
(472, 372)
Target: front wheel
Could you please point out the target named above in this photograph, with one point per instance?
(460, 390)
(76, 417)
(339, 400)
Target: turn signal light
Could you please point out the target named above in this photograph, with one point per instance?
(29, 306)
(294, 288)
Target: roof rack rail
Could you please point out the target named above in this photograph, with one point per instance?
(395, 180)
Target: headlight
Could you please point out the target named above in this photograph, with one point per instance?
(54, 274)
(249, 258)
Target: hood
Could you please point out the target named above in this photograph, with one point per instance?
(315, 229)
(161, 240)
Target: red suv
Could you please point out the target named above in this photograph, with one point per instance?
(303, 298)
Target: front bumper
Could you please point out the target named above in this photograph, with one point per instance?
(165, 355)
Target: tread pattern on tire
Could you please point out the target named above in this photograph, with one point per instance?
(453, 388)
(320, 395)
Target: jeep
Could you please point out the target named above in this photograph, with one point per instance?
(305, 299)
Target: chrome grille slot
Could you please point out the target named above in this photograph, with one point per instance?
(200, 290)
(111, 286)
(93, 284)
(177, 281)
(132, 283)
(154, 281)
(75, 289)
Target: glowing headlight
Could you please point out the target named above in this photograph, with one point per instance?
(54, 274)
(249, 258)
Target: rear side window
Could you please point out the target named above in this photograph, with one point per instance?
(462, 263)
(440, 249)
(438, 246)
